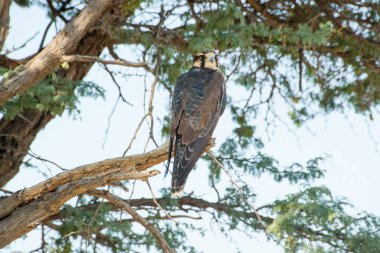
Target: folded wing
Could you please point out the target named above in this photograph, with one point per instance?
(198, 102)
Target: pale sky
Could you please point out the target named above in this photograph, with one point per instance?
(350, 142)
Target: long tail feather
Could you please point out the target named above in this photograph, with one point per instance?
(170, 154)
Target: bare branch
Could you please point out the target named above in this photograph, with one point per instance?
(109, 120)
(155, 201)
(35, 156)
(56, 12)
(237, 187)
(6, 191)
(119, 202)
(86, 58)
(135, 134)
(99, 237)
(32, 205)
(117, 85)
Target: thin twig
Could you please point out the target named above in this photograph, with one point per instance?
(56, 12)
(43, 243)
(237, 187)
(300, 52)
(92, 221)
(109, 121)
(88, 58)
(133, 189)
(6, 191)
(234, 70)
(34, 155)
(119, 202)
(117, 84)
(134, 135)
(157, 204)
(150, 113)
(44, 35)
(14, 49)
(152, 91)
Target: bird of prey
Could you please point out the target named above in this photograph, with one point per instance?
(198, 101)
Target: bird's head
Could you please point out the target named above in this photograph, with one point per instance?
(206, 59)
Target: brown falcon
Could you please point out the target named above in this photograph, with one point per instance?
(199, 100)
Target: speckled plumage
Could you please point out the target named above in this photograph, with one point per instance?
(199, 100)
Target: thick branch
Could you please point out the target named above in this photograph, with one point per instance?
(49, 58)
(107, 169)
(45, 199)
(22, 211)
(4, 20)
(120, 203)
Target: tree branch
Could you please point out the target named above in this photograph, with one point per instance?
(86, 58)
(99, 237)
(24, 210)
(119, 202)
(196, 203)
(49, 58)
(9, 63)
(4, 20)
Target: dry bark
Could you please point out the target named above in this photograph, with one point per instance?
(49, 58)
(24, 210)
(4, 20)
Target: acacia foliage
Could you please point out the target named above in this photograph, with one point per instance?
(313, 56)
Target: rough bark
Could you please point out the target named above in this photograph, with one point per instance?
(16, 135)
(49, 58)
(15, 138)
(4, 20)
(25, 209)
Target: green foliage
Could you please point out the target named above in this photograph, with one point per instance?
(339, 70)
(53, 95)
(131, 6)
(165, 130)
(122, 234)
(23, 3)
(314, 221)
(260, 164)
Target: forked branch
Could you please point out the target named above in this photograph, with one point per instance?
(24, 210)
(120, 203)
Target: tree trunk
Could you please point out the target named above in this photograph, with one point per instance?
(15, 138)
(17, 135)
(4, 20)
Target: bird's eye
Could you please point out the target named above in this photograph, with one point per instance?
(211, 59)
